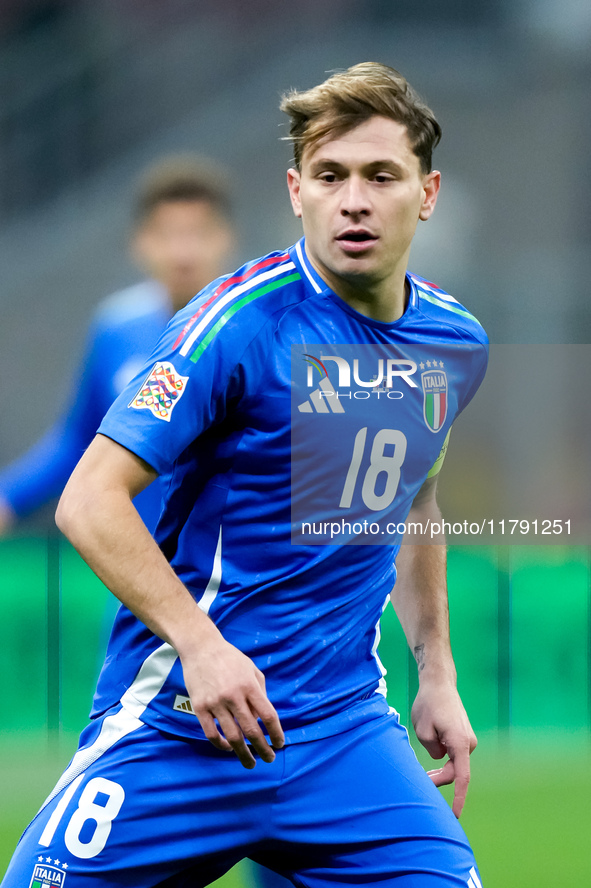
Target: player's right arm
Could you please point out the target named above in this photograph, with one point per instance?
(97, 515)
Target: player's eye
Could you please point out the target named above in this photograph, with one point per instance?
(328, 177)
(383, 178)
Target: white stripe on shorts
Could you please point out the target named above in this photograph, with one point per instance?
(146, 685)
(114, 728)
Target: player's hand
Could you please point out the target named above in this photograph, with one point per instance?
(225, 684)
(442, 726)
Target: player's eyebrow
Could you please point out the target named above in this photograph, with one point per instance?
(325, 163)
(390, 165)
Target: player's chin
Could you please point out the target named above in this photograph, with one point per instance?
(359, 273)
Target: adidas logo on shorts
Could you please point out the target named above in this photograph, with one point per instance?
(183, 704)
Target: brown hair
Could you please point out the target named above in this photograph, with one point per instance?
(182, 178)
(351, 97)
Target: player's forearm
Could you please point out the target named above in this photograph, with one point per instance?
(107, 531)
(420, 600)
(97, 515)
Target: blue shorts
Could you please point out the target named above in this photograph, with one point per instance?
(137, 807)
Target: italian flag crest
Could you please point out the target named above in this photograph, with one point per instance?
(434, 398)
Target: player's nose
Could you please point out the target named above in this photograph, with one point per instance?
(355, 197)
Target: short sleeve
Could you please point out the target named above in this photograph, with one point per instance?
(180, 392)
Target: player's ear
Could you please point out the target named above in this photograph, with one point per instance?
(431, 183)
(293, 185)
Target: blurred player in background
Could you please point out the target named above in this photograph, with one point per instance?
(236, 637)
(182, 236)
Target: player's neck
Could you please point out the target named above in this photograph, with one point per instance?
(383, 300)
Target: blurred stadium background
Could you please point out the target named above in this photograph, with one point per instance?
(93, 90)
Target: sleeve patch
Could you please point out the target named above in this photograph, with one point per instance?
(160, 391)
(436, 467)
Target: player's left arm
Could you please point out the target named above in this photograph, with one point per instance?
(420, 600)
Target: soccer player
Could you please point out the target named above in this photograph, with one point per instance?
(241, 710)
(182, 235)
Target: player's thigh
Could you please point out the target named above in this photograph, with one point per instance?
(424, 867)
(368, 813)
(405, 880)
(137, 813)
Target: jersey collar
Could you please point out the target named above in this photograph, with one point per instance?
(309, 273)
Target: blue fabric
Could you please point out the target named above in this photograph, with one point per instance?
(217, 411)
(352, 809)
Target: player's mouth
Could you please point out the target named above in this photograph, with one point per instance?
(356, 240)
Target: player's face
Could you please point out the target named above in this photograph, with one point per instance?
(360, 196)
(182, 244)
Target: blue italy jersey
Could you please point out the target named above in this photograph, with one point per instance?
(294, 434)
